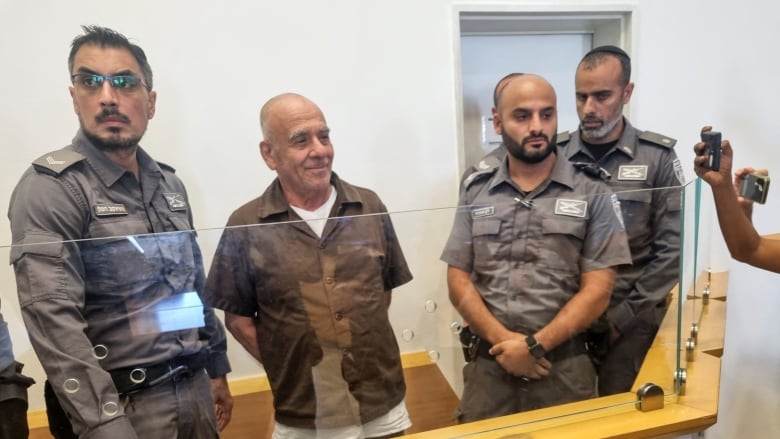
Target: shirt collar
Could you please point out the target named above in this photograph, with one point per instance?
(273, 201)
(626, 144)
(108, 171)
(562, 173)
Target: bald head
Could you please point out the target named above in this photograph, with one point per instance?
(524, 84)
(296, 144)
(281, 108)
(527, 117)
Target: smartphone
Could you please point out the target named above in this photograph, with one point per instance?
(712, 151)
(755, 187)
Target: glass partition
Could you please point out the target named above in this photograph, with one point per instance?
(332, 336)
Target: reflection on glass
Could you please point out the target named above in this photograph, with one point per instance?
(429, 334)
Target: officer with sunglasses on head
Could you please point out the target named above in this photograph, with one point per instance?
(108, 271)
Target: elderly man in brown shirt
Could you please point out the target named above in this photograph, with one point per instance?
(304, 274)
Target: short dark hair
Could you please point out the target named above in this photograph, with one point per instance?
(597, 55)
(500, 86)
(105, 37)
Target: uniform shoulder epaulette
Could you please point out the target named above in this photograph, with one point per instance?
(54, 163)
(167, 167)
(563, 138)
(657, 139)
(486, 166)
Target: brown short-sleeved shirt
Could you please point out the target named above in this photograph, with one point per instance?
(315, 296)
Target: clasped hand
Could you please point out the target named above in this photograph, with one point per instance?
(513, 355)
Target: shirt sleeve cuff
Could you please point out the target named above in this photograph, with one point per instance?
(218, 364)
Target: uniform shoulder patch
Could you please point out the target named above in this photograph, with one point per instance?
(563, 138)
(56, 162)
(657, 139)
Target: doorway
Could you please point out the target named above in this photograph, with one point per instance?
(495, 43)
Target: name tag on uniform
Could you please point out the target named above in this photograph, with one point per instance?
(175, 313)
(176, 201)
(109, 209)
(576, 208)
(483, 211)
(632, 172)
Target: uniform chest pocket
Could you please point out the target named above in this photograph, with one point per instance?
(179, 221)
(486, 241)
(118, 254)
(562, 242)
(636, 207)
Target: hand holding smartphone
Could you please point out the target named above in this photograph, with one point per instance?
(754, 187)
(712, 149)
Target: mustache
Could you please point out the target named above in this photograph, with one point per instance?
(113, 113)
(527, 139)
(592, 119)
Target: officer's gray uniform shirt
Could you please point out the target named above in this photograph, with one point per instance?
(95, 276)
(640, 162)
(526, 252)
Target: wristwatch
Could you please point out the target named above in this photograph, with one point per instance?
(536, 349)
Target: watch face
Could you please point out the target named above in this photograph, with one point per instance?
(536, 349)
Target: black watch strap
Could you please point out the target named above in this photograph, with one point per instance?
(536, 349)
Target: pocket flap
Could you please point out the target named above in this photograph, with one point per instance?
(39, 243)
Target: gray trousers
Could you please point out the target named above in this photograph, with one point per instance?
(489, 391)
(621, 365)
(180, 410)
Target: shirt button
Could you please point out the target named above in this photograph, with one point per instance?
(339, 316)
(329, 280)
(517, 265)
(322, 245)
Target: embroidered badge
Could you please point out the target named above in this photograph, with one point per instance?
(576, 208)
(483, 211)
(483, 165)
(632, 172)
(176, 201)
(678, 171)
(54, 162)
(109, 210)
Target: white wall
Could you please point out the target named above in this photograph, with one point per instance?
(385, 75)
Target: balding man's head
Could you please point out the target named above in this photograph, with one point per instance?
(296, 144)
(529, 82)
(527, 117)
(281, 107)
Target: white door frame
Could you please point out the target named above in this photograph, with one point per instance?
(608, 23)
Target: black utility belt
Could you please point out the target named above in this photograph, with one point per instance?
(473, 347)
(133, 379)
